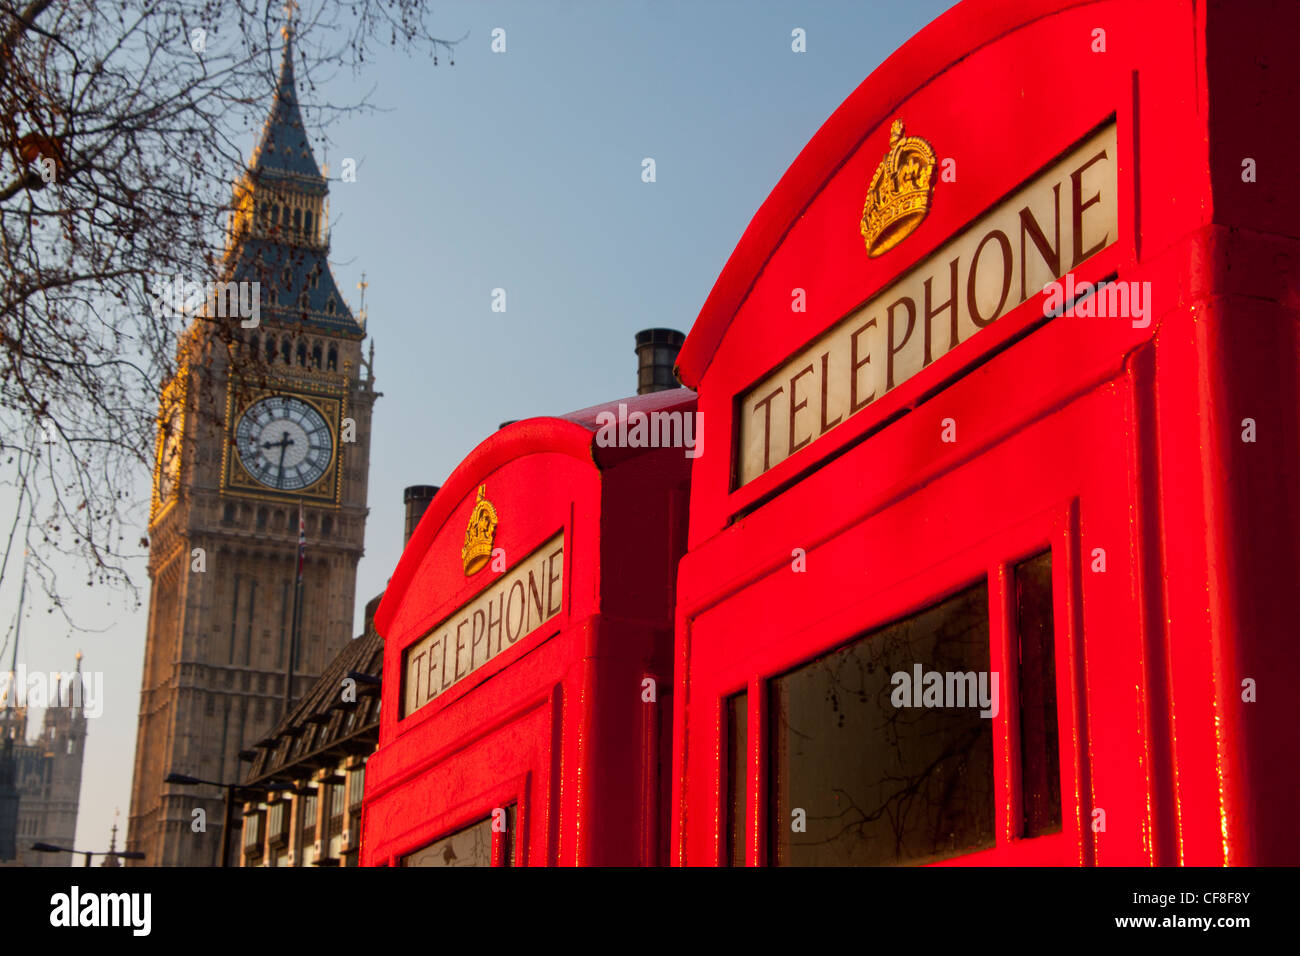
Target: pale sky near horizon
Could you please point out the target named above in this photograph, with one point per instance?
(519, 170)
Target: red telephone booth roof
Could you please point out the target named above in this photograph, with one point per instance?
(573, 434)
(951, 37)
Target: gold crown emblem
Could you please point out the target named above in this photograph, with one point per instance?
(899, 197)
(480, 531)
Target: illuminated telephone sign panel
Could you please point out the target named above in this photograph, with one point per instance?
(514, 606)
(1065, 215)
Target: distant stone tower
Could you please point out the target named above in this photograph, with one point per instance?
(258, 423)
(49, 773)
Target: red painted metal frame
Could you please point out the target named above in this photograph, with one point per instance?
(555, 724)
(1084, 434)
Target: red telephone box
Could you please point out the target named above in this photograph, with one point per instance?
(528, 648)
(999, 565)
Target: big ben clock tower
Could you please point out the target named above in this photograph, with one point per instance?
(262, 422)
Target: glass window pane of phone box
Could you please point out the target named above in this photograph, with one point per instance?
(1040, 759)
(737, 717)
(469, 846)
(857, 778)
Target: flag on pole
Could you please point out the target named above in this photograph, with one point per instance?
(302, 541)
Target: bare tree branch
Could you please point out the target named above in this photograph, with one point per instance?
(123, 125)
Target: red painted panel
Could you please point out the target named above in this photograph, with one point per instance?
(1113, 443)
(571, 724)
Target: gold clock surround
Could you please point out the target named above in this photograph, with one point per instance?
(329, 399)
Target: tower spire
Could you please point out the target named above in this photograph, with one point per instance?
(110, 858)
(283, 151)
(361, 310)
(278, 236)
(77, 693)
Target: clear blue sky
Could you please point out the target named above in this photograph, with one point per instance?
(522, 171)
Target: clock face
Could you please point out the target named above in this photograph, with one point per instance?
(169, 457)
(284, 443)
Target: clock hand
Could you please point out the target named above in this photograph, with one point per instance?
(284, 444)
